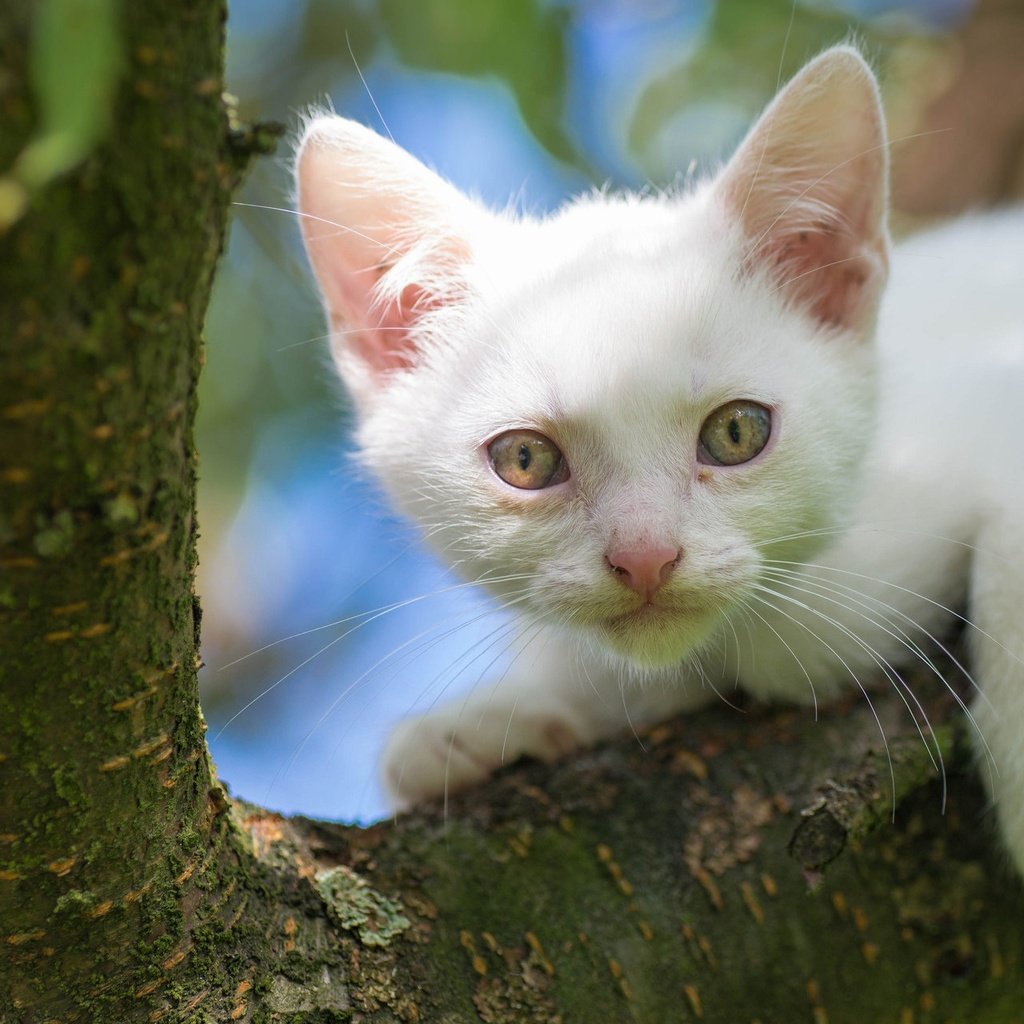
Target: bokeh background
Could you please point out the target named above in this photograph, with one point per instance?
(521, 101)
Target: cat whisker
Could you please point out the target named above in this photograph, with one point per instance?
(391, 251)
(511, 602)
(970, 623)
(835, 587)
(497, 636)
(899, 686)
(778, 85)
(886, 529)
(796, 657)
(705, 680)
(822, 589)
(536, 626)
(273, 686)
(369, 94)
(853, 675)
(373, 614)
(410, 652)
(487, 643)
(742, 612)
(334, 334)
(900, 637)
(531, 628)
(364, 620)
(725, 652)
(629, 720)
(356, 684)
(814, 270)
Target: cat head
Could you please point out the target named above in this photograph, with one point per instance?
(614, 415)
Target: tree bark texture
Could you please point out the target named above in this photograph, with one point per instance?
(736, 867)
(107, 819)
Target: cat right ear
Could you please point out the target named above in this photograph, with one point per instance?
(386, 238)
(809, 186)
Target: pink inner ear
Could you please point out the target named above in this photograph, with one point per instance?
(380, 335)
(823, 269)
(397, 351)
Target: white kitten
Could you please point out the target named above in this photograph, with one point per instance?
(662, 428)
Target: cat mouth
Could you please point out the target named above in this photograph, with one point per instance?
(653, 635)
(645, 616)
(659, 634)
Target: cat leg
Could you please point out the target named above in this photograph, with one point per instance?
(564, 700)
(997, 609)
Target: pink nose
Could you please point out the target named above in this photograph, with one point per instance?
(644, 569)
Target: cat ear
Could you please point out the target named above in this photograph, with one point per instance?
(809, 185)
(386, 238)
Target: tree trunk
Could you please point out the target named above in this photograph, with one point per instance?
(678, 878)
(113, 842)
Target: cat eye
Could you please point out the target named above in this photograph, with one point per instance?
(734, 433)
(527, 460)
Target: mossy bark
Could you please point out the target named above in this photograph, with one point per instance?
(684, 879)
(109, 816)
(671, 881)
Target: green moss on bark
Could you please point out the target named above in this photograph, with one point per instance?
(109, 820)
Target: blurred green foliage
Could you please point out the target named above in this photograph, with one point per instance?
(521, 42)
(75, 64)
(749, 49)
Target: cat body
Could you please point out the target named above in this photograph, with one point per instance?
(682, 436)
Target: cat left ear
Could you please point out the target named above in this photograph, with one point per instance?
(386, 238)
(809, 185)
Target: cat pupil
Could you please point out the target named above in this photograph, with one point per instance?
(734, 431)
(524, 457)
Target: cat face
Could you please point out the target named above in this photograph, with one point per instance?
(612, 416)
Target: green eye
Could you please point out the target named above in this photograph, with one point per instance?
(734, 433)
(527, 460)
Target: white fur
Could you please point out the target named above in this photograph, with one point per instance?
(891, 481)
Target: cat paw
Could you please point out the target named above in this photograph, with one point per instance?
(458, 746)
